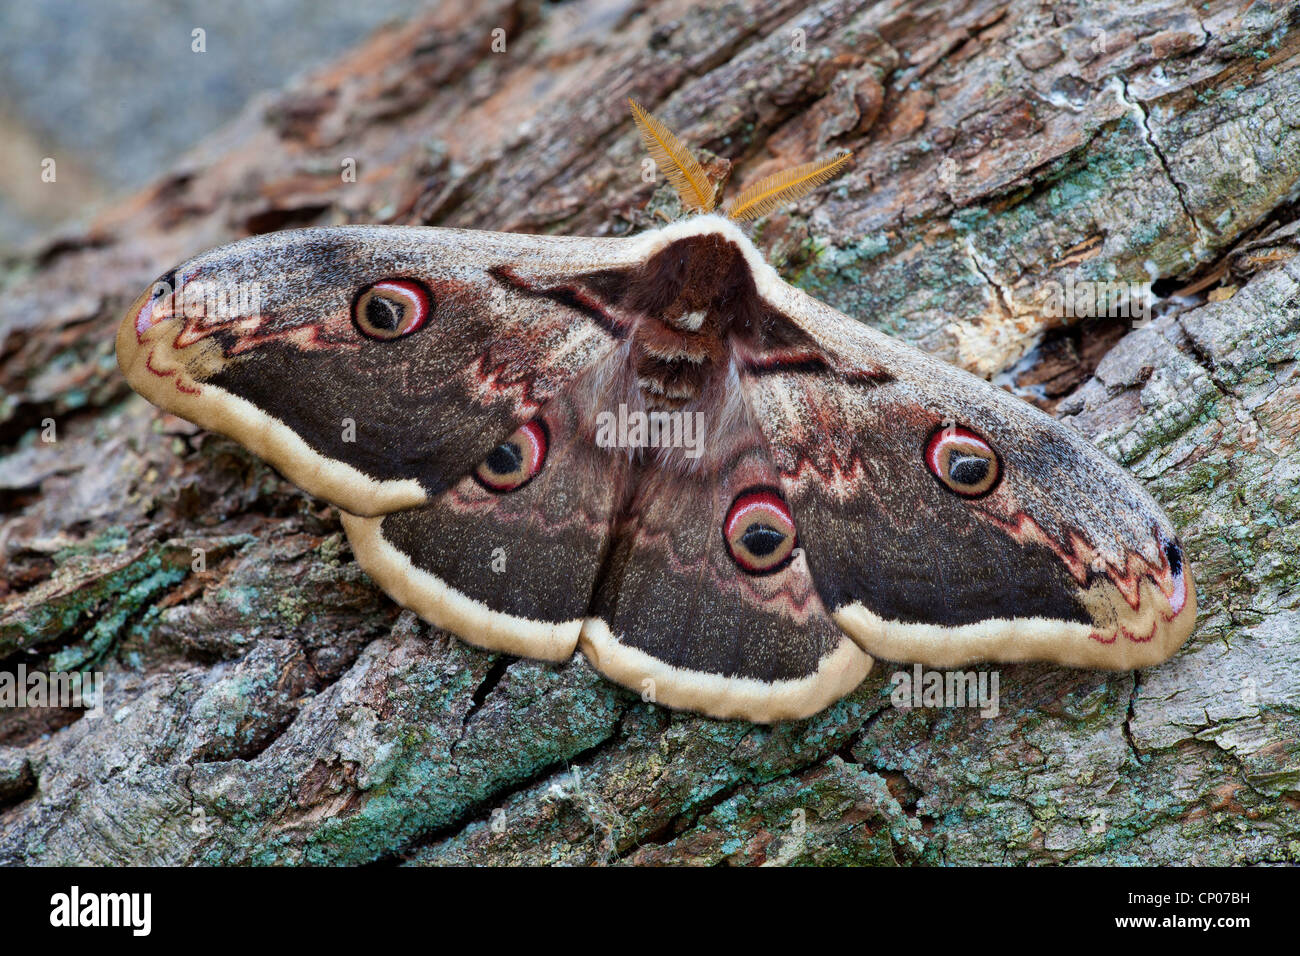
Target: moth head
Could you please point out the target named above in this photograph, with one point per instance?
(699, 193)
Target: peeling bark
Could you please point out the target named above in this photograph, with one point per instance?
(275, 707)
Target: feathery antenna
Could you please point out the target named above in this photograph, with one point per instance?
(682, 169)
(786, 186)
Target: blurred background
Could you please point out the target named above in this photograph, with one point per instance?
(114, 90)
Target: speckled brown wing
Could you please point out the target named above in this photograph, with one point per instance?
(374, 366)
(558, 539)
(946, 521)
(507, 558)
(677, 617)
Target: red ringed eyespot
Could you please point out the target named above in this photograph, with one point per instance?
(392, 308)
(516, 461)
(759, 531)
(962, 461)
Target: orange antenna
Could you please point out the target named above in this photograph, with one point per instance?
(682, 169)
(697, 191)
(786, 186)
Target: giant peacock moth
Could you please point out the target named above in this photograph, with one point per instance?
(850, 497)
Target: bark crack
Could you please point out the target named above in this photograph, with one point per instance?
(1143, 118)
(1129, 715)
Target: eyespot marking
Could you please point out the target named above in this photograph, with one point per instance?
(1177, 600)
(962, 462)
(759, 531)
(392, 308)
(516, 461)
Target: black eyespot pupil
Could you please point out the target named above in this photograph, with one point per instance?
(383, 314)
(505, 459)
(968, 469)
(761, 540)
(1175, 556)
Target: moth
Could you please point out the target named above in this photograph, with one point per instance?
(500, 418)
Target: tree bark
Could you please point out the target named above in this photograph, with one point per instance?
(275, 706)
